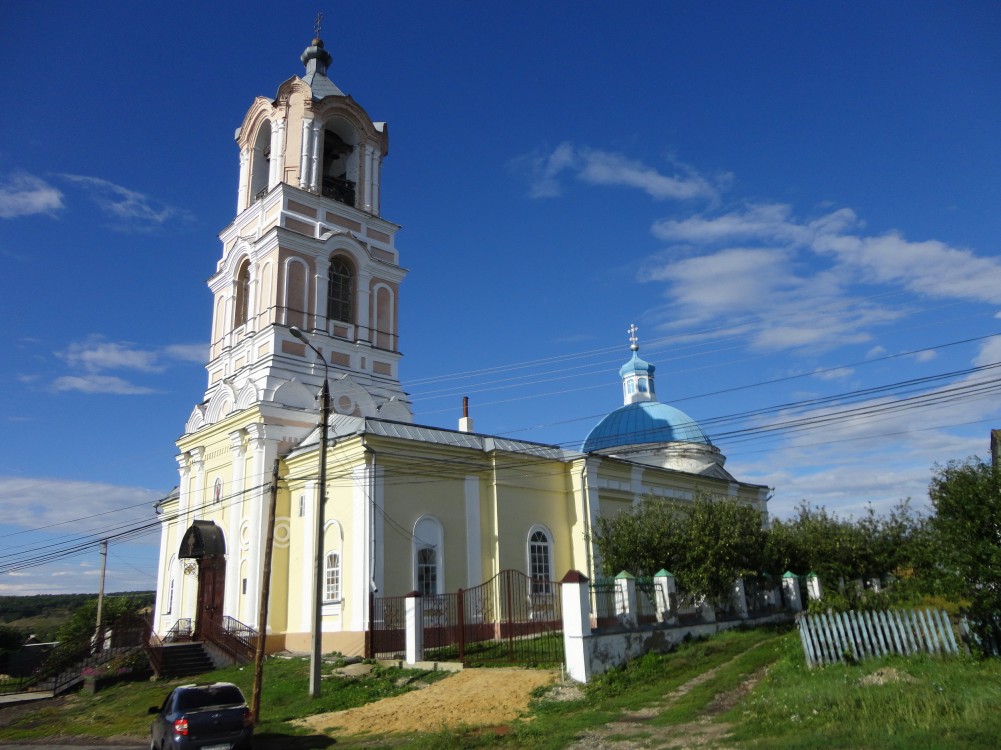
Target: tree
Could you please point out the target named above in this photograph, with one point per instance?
(966, 496)
(706, 543)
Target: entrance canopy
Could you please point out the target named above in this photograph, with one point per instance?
(202, 539)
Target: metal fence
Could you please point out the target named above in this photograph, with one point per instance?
(510, 618)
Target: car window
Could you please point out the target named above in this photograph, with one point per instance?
(197, 698)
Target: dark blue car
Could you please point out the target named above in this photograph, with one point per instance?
(203, 717)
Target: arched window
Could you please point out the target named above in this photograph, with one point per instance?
(332, 578)
(168, 603)
(540, 561)
(242, 312)
(260, 162)
(428, 537)
(340, 291)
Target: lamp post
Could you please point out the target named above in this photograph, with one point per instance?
(315, 656)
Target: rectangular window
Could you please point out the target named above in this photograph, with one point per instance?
(427, 572)
(244, 586)
(332, 579)
(302, 506)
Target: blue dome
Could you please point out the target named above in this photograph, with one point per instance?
(644, 422)
(636, 365)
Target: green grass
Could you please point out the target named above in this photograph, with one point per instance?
(928, 702)
(121, 709)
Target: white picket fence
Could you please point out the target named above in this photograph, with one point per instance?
(835, 637)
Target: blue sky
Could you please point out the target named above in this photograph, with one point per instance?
(796, 203)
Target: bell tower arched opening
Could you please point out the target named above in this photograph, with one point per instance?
(260, 161)
(341, 290)
(340, 162)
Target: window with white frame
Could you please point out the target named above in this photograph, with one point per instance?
(428, 538)
(332, 578)
(540, 561)
(302, 506)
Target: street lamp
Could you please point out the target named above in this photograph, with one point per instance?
(315, 656)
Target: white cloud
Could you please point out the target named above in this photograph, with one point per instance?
(838, 373)
(31, 503)
(925, 355)
(95, 355)
(196, 353)
(99, 384)
(130, 209)
(25, 195)
(599, 167)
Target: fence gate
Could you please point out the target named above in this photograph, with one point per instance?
(510, 618)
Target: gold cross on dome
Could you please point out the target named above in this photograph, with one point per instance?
(632, 334)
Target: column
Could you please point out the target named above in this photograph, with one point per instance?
(262, 453)
(304, 157)
(376, 184)
(739, 597)
(474, 563)
(233, 512)
(415, 627)
(666, 588)
(790, 590)
(277, 163)
(369, 168)
(321, 320)
(575, 593)
(363, 325)
(242, 200)
(625, 599)
(315, 170)
(813, 588)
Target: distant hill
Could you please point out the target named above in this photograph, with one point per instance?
(42, 615)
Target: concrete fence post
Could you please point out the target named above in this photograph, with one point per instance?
(666, 589)
(575, 593)
(415, 627)
(813, 588)
(739, 597)
(790, 590)
(625, 600)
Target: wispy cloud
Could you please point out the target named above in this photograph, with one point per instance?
(805, 282)
(99, 384)
(129, 209)
(608, 168)
(22, 194)
(95, 356)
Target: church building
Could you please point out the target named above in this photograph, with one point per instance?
(307, 291)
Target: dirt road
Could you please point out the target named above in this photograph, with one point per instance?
(475, 697)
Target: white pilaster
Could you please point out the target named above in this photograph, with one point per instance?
(474, 564)
(414, 628)
(364, 323)
(321, 319)
(305, 162)
(314, 156)
(369, 169)
(278, 150)
(243, 191)
(233, 510)
(262, 453)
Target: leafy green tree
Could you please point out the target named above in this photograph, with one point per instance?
(706, 543)
(966, 496)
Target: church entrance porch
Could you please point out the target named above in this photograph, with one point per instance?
(203, 544)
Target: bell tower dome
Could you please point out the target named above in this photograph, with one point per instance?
(308, 249)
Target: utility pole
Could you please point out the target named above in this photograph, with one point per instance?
(98, 635)
(262, 612)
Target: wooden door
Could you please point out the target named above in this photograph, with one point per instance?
(211, 588)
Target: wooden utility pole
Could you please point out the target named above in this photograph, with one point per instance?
(262, 612)
(98, 631)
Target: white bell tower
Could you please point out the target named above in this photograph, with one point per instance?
(308, 248)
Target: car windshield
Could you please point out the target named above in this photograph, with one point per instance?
(213, 695)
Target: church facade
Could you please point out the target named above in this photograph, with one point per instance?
(306, 292)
